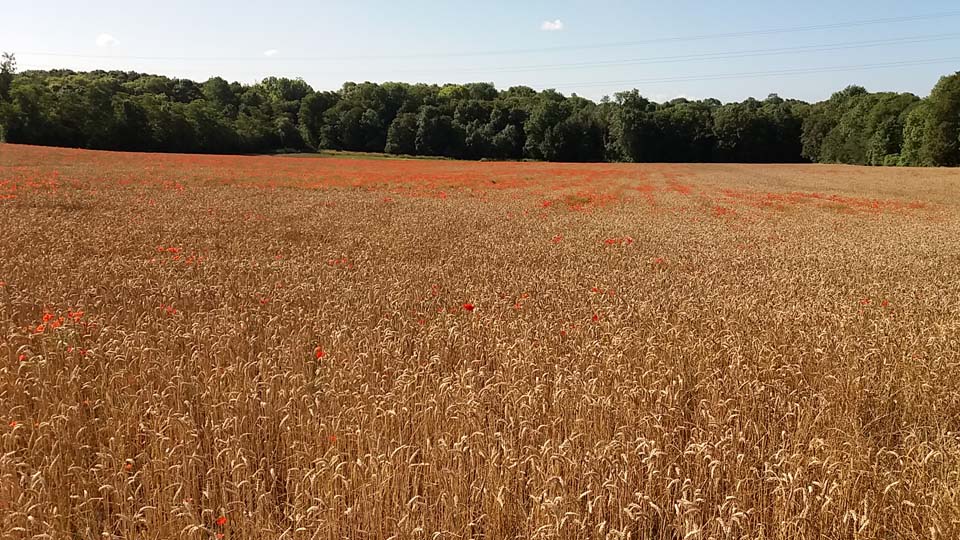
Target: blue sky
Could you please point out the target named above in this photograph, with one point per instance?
(577, 46)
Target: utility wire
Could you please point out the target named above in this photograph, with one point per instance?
(771, 31)
(701, 57)
(799, 71)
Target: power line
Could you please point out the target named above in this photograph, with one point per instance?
(727, 35)
(707, 56)
(748, 74)
(701, 57)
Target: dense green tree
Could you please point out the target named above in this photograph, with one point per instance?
(543, 131)
(633, 133)
(219, 93)
(437, 134)
(869, 129)
(185, 91)
(132, 111)
(130, 123)
(823, 117)
(685, 131)
(310, 117)
(402, 135)
(8, 66)
(911, 153)
(941, 134)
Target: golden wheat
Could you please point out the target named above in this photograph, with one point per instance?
(246, 348)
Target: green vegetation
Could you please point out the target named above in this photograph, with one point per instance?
(133, 111)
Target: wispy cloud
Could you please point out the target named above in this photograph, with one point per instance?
(270, 52)
(552, 26)
(106, 40)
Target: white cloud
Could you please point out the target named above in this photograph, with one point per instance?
(270, 52)
(106, 40)
(552, 26)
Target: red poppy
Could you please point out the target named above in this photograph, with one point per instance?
(23, 357)
(13, 423)
(221, 521)
(596, 317)
(469, 307)
(318, 352)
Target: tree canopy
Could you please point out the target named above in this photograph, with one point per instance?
(134, 111)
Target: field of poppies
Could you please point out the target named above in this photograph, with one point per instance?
(210, 347)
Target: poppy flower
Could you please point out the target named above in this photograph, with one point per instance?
(221, 521)
(318, 352)
(596, 317)
(23, 357)
(469, 307)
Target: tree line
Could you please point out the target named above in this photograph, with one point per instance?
(118, 110)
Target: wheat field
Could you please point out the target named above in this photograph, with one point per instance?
(206, 347)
